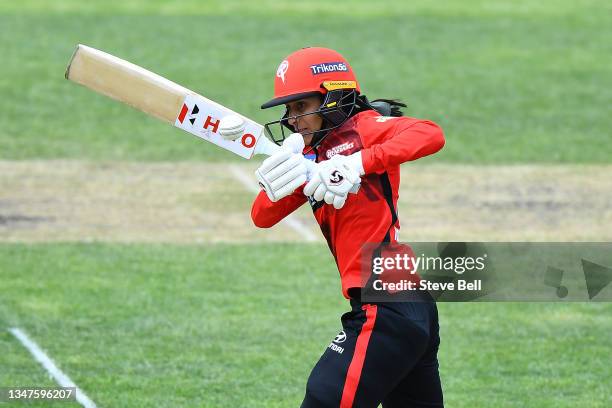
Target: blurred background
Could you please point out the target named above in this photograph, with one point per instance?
(126, 247)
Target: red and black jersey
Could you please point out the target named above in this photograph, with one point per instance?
(370, 216)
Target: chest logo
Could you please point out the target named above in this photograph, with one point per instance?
(339, 149)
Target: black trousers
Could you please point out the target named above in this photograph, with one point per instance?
(385, 354)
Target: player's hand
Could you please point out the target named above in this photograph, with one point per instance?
(280, 174)
(335, 178)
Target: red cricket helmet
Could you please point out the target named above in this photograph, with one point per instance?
(309, 71)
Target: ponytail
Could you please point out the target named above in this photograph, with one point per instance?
(386, 107)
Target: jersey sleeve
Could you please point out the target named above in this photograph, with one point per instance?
(266, 213)
(410, 139)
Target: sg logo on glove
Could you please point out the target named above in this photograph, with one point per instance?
(335, 178)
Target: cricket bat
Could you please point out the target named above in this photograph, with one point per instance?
(164, 99)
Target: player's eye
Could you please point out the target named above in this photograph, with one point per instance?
(296, 109)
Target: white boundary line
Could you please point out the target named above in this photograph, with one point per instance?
(62, 379)
(291, 221)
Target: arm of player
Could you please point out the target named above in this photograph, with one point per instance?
(266, 213)
(411, 141)
(334, 178)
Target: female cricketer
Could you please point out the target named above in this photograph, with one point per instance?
(386, 352)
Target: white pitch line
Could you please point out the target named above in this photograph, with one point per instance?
(291, 221)
(62, 379)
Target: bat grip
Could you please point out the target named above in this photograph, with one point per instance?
(267, 147)
(310, 168)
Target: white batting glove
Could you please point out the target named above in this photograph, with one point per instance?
(333, 179)
(280, 174)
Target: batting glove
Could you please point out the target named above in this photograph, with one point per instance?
(280, 174)
(335, 178)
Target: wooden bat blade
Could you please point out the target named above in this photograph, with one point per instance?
(126, 82)
(159, 97)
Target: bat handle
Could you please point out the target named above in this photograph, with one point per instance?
(310, 168)
(267, 147)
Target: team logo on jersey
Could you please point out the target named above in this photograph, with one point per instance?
(339, 149)
(335, 178)
(325, 67)
(282, 70)
(341, 337)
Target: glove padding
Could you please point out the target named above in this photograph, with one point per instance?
(333, 179)
(280, 174)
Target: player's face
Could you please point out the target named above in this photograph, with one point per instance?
(307, 123)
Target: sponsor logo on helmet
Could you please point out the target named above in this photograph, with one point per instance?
(333, 85)
(339, 149)
(282, 70)
(324, 67)
(341, 337)
(335, 178)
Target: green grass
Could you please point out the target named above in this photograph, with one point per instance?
(509, 82)
(242, 325)
(220, 326)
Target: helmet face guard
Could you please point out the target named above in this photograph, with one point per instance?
(338, 105)
(313, 71)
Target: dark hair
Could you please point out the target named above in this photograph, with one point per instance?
(386, 107)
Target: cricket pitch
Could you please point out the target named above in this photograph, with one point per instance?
(189, 202)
